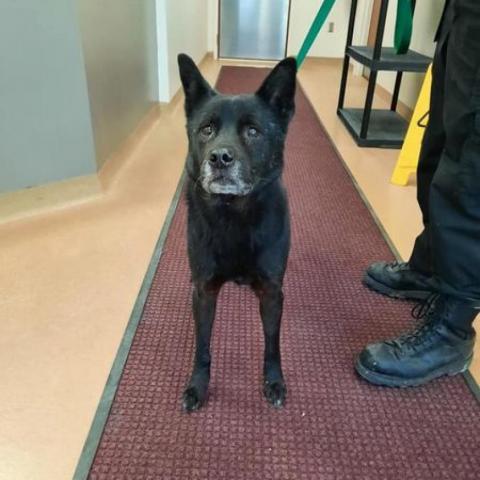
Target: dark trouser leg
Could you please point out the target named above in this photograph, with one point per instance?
(204, 304)
(455, 190)
(271, 307)
(432, 146)
(415, 280)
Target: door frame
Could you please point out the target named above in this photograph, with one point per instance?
(217, 43)
(360, 36)
(375, 15)
(372, 30)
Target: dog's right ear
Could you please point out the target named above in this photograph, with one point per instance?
(195, 86)
(278, 89)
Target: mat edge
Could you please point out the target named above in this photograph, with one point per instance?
(472, 384)
(102, 412)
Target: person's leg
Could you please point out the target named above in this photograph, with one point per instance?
(430, 153)
(444, 343)
(455, 190)
(413, 279)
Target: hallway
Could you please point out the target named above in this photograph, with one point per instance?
(70, 276)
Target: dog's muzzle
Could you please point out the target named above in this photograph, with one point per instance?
(222, 174)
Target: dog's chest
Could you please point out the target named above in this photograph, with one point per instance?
(234, 248)
(239, 242)
(230, 247)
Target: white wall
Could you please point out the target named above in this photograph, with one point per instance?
(182, 27)
(425, 22)
(302, 13)
(212, 29)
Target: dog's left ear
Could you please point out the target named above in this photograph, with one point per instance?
(278, 89)
(195, 86)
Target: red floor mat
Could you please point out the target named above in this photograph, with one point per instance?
(334, 426)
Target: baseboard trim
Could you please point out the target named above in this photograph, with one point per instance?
(32, 201)
(53, 196)
(108, 173)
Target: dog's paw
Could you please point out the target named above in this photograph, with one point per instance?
(192, 399)
(275, 393)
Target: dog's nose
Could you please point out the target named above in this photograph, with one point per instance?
(221, 157)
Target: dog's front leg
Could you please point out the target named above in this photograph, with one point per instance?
(204, 303)
(271, 305)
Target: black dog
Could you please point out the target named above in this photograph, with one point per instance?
(238, 223)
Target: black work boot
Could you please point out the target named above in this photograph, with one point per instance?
(442, 345)
(398, 280)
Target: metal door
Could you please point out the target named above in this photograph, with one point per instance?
(254, 29)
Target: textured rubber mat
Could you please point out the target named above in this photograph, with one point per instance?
(334, 425)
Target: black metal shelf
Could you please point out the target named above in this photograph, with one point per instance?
(377, 128)
(386, 128)
(389, 60)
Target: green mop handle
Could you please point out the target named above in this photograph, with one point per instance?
(314, 29)
(403, 26)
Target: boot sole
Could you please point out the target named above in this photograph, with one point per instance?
(379, 287)
(391, 381)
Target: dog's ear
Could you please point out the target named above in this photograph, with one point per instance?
(278, 89)
(195, 86)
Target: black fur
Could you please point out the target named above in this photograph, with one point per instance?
(238, 222)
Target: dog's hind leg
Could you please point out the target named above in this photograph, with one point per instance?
(271, 305)
(204, 304)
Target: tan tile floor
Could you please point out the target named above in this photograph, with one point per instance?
(69, 278)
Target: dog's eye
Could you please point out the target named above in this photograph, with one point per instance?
(207, 130)
(252, 132)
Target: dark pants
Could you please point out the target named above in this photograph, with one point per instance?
(448, 176)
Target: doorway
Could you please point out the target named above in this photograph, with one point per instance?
(253, 29)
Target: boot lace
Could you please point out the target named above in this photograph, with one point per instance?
(424, 308)
(421, 311)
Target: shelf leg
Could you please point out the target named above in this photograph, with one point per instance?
(396, 92)
(346, 60)
(377, 50)
(343, 82)
(368, 103)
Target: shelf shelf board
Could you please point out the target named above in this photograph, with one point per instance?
(389, 60)
(386, 128)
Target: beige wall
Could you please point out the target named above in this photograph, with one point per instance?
(119, 46)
